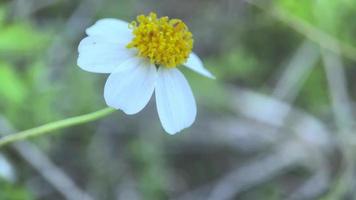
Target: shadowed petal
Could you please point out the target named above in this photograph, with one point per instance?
(194, 63)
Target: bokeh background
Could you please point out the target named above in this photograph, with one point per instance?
(277, 123)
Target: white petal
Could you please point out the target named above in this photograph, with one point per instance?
(175, 101)
(194, 63)
(98, 55)
(112, 30)
(131, 86)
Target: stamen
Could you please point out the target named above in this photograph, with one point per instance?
(165, 42)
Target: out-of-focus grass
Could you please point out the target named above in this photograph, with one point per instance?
(240, 43)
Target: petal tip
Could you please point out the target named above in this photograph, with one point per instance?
(129, 112)
(173, 132)
(211, 76)
(125, 110)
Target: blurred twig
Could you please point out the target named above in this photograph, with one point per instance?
(340, 99)
(308, 140)
(61, 48)
(344, 119)
(296, 72)
(24, 8)
(267, 110)
(258, 171)
(314, 186)
(287, 88)
(41, 4)
(54, 175)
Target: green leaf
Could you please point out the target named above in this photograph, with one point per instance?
(12, 88)
(301, 8)
(14, 192)
(21, 37)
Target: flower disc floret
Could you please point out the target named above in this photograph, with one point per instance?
(165, 42)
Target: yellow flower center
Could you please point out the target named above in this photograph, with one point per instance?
(163, 41)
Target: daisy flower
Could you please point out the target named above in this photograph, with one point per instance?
(142, 58)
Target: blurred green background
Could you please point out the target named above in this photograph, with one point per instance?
(278, 123)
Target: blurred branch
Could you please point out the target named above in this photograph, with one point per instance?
(314, 186)
(53, 126)
(24, 8)
(7, 171)
(311, 32)
(41, 4)
(344, 118)
(246, 134)
(308, 144)
(197, 194)
(340, 99)
(296, 72)
(61, 50)
(54, 175)
(311, 132)
(287, 88)
(258, 171)
(269, 110)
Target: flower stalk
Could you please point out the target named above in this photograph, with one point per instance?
(53, 126)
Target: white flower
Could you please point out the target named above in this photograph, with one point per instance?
(141, 58)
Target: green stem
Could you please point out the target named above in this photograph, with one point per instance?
(52, 126)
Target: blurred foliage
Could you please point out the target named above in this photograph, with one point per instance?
(20, 38)
(333, 17)
(245, 47)
(14, 90)
(11, 191)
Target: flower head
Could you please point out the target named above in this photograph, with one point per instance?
(141, 58)
(163, 41)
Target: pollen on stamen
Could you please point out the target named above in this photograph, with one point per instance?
(165, 42)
